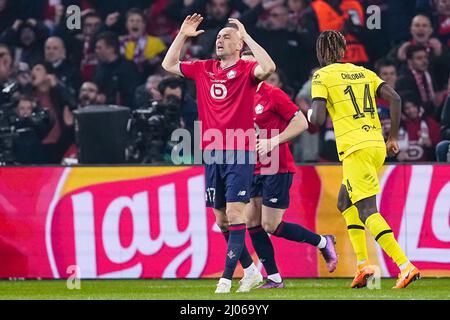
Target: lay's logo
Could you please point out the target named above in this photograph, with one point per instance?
(130, 228)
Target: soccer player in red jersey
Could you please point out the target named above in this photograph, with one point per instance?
(275, 111)
(225, 92)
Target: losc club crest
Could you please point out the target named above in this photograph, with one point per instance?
(231, 74)
(259, 109)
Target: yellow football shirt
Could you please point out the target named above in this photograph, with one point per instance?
(350, 94)
(153, 47)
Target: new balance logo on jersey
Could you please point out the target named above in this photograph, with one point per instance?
(273, 200)
(242, 193)
(231, 254)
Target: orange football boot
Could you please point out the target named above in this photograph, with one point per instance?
(365, 271)
(407, 276)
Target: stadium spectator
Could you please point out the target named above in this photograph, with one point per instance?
(89, 95)
(417, 79)
(10, 80)
(306, 147)
(137, 46)
(31, 129)
(279, 80)
(6, 64)
(152, 86)
(113, 12)
(159, 23)
(42, 10)
(346, 16)
(107, 7)
(418, 135)
(216, 16)
(443, 30)
(9, 12)
(297, 9)
(421, 31)
(27, 39)
(443, 148)
(387, 71)
(116, 77)
(55, 56)
(257, 12)
(81, 45)
(148, 92)
(54, 97)
(177, 10)
(439, 56)
(398, 20)
(377, 41)
(172, 90)
(327, 148)
(284, 46)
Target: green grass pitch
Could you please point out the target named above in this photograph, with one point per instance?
(296, 289)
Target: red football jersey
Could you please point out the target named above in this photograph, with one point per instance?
(225, 99)
(274, 110)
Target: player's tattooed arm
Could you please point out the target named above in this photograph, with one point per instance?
(386, 92)
(171, 62)
(266, 65)
(318, 112)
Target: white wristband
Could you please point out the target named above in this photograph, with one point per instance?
(309, 114)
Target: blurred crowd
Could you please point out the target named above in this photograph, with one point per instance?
(47, 71)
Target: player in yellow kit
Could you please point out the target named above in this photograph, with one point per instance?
(348, 93)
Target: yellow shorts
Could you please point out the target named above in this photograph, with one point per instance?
(360, 172)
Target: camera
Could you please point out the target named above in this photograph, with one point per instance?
(19, 134)
(151, 128)
(38, 121)
(7, 116)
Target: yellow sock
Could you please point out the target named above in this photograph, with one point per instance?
(385, 238)
(356, 232)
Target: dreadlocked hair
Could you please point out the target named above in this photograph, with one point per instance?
(330, 46)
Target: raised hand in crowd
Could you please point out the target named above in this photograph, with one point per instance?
(112, 19)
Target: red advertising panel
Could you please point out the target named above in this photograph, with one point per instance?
(151, 222)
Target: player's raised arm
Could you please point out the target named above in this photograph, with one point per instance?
(171, 62)
(266, 65)
(395, 105)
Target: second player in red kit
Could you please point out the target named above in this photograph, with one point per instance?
(278, 121)
(273, 112)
